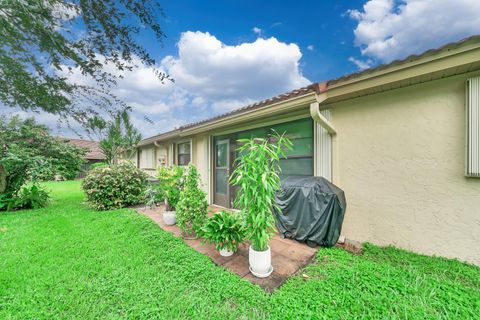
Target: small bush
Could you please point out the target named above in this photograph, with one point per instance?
(225, 230)
(116, 186)
(192, 205)
(28, 197)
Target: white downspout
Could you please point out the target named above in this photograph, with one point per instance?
(318, 117)
(322, 121)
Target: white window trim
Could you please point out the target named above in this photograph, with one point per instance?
(177, 153)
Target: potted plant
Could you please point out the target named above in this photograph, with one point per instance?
(192, 205)
(171, 184)
(256, 174)
(225, 230)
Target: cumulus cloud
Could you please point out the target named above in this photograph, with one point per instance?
(222, 74)
(211, 77)
(389, 29)
(311, 47)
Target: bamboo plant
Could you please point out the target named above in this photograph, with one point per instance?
(257, 175)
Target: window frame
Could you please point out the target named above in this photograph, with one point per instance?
(178, 154)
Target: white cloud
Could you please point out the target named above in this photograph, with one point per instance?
(389, 29)
(223, 74)
(257, 30)
(311, 47)
(211, 77)
(361, 64)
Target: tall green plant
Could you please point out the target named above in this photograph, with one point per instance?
(192, 206)
(256, 174)
(171, 184)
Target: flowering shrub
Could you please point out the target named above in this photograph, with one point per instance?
(115, 186)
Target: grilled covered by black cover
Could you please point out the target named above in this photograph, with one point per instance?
(312, 210)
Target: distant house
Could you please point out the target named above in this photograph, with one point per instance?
(93, 155)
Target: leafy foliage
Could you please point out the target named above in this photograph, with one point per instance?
(31, 196)
(29, 153)
(225, 230)
(42, 40)
(256, 174)
(115, 186)
(150, 196)
(171, 184)
(192, 205)
(119, 136)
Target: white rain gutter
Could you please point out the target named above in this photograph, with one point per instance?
(318, 117)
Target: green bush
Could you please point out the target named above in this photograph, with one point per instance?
(192, 205)
(170, 185)
(116, 186)
(225, 230)
(28, 197)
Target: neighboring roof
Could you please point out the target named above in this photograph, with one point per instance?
(320, 87)
(93, 148)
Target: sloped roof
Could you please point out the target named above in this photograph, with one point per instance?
(320, 87)
(93, 148)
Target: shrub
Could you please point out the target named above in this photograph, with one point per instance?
(192, 206)
(257, 176)
(28, 197)
(115, 186)
(170, 185)
(225, 230)
(32, 197)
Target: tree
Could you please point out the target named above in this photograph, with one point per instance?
(119, 136)
(42, 40)
(29, 152)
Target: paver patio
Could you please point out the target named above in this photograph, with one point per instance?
(288, 256)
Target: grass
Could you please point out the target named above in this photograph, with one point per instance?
(68, 261)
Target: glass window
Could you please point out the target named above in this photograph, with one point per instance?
(222, 149)
(184, 156)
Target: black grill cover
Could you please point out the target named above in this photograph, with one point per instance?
(312, 210)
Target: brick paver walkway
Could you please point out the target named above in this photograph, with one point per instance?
(288, 256)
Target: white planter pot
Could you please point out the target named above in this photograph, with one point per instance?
(170, 218)
(225, 253)
(260, 262)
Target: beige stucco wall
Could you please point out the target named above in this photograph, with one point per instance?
(400, 159)
(200, 159)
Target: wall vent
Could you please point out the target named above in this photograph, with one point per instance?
(473, 128)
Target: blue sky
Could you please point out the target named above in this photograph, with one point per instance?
(226, 54)
(325, 25)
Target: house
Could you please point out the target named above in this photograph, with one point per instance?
(93, 155)
(402, 140)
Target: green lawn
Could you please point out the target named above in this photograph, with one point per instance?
(67, 261)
